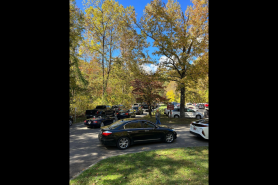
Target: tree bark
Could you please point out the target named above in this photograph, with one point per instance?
(182, 101)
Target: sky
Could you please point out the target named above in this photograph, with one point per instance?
(139, 6)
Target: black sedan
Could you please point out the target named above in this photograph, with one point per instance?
(126, 113)
(124, 133)
(99, 121)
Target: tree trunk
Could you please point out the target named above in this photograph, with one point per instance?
(182, 101)
(102, 67)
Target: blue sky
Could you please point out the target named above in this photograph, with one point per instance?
(139, 6)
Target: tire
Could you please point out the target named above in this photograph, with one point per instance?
(169, 138)
(102, 125)
(176, 116)
(123, 143)
(70, 123)
(198, 117)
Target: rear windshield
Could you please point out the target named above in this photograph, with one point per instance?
(101, 107)
(115, 124)
(135, 108)
(204, 121)
(91, 112)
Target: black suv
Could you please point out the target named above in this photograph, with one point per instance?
(100, 110)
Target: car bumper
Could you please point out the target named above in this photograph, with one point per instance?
(197, 132)
(92, 124)
(106, 141)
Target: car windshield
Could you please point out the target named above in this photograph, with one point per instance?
(204, 121)
(115, 124)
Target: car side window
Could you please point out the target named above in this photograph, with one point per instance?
(133, 125)
(147, 125)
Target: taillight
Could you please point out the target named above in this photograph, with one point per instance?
(126, 113)
(97, 112)
(95, 121)
(106, 133)
(203, 133)
(85, 121)
(117, 113)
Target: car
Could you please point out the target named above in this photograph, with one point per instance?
(145, 106)
(100, 110)
(70, 120)
(192, 108)
(118, 107)
(126, 113)
(99, 121)
(189, 113)
(200, 128)
(138, 110)
(207, 107)
(127, 132)
(136, 104)
(201, 106)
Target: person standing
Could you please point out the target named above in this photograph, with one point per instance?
(157, 117)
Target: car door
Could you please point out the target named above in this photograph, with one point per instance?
(135, 131)
(186, 113)
(151, 132)
(191, 113)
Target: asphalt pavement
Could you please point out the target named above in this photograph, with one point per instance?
(86, 150)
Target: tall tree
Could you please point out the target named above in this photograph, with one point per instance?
(181, 37)
(102, 23)
(75, 28)
(147, 88)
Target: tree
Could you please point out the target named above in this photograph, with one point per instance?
(148, 88)
(75, 37)
(180, 37)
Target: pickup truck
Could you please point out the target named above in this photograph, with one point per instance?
(100, 110)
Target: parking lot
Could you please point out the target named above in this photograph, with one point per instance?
(85, 148)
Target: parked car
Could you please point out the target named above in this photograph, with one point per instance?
(124, 133)
(99, 121)
(188, 113)
(138, 110)
(207, 107)
(136, 104)
(70, 120)
(145, 106)
(118, 107)
(126, 113)
(100, 110)
(192, 108)
(200, 128)
(201, 106)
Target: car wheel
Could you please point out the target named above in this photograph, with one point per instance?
(198, 117)
(102, 125)
(176, 116)
(123, 143)
(70, 123)
(169, 138)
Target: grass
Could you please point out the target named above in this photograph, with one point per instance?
(167, 166)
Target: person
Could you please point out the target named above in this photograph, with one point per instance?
(157, 117)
